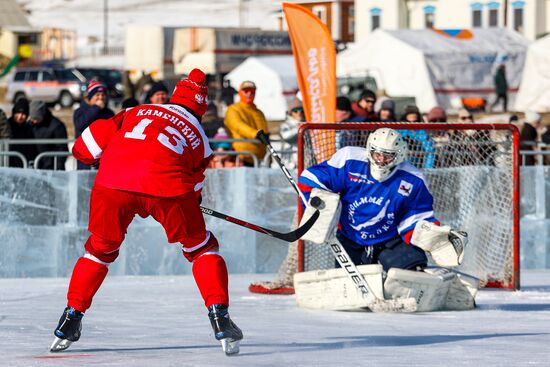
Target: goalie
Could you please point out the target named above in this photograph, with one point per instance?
(387, 212)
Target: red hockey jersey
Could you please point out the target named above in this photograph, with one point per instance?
(159, 150)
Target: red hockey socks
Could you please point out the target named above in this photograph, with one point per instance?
(85, 281)
(210, 274)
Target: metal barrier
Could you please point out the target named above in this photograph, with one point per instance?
(255, 160)
(15, 154)
(50, 154)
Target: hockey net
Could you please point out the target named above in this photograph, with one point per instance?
(472, 171)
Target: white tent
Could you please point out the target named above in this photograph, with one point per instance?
(436, 67)
(534, 90)
(275, 79)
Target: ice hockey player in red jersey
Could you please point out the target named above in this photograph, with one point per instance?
(153, 159)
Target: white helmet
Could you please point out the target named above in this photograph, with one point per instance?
(391, 149)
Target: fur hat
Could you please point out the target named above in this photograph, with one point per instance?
(247, 84)
(343, 103)
(437, 114)
(192, 92)
(156, 87)
(95, 87)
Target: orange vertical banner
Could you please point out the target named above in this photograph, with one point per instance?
(315, 59)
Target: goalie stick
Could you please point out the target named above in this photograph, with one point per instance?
(288, 237)
(341, 255)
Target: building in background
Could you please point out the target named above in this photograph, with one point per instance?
(338, 15)
(531, 18)
(15, 30)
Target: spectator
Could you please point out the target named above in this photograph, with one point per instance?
(289, 132)
(47, 126)
(437, 114)
(21, 129)
(365, 106)
(228, 93)
(222, 160)
(387, 111)
(157, 94)
(92, 108)
(5, 131)
(142, 85)
(129, 103)
(501, 88)
(295, 117)
(211, 122)
(421, 146)
(243, 121)
(345, 114)
(128, 87)
(528, 136)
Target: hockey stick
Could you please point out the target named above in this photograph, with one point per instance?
(341, 255)
(288, 237)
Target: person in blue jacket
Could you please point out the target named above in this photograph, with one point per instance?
(92, 108)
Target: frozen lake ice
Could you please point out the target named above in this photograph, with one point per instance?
(161, 321)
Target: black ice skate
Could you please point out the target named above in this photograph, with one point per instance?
(225, 330)
(68, 329)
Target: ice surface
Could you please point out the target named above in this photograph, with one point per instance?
(161, 321)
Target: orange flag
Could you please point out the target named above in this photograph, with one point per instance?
(315, 59)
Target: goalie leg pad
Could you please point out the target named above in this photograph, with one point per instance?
(397, 254)
(429, 290)
(462, 291)
(325, 226)
(333, 290)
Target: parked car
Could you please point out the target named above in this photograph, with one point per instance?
(112, 78)
(51, 85)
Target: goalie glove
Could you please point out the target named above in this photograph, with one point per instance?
(445, 245)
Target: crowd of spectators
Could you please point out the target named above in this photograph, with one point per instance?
(242, 119)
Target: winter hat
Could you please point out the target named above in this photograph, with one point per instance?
(221, 134)
(21, 105)
(192, 92)
(37, 110)
(367, 93)
(532, 117)
(247, 84)
(129, 102)
(411, 109)
(343, 103)
(437, 114)
(95, 87)
(295, 103)
(388, 104)
(156, 87)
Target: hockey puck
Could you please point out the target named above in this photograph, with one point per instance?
(317, 202)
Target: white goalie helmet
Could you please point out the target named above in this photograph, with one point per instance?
(385, 150)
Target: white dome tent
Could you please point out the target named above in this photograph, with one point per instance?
(275, 79)
(436, 67)
(534, 90)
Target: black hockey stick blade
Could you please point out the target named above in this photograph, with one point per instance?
(288, 237)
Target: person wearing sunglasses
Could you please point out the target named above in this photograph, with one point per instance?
(364, 106)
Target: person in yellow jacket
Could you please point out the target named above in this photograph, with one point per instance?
(243, 121)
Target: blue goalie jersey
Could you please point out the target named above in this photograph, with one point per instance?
(373, 212)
